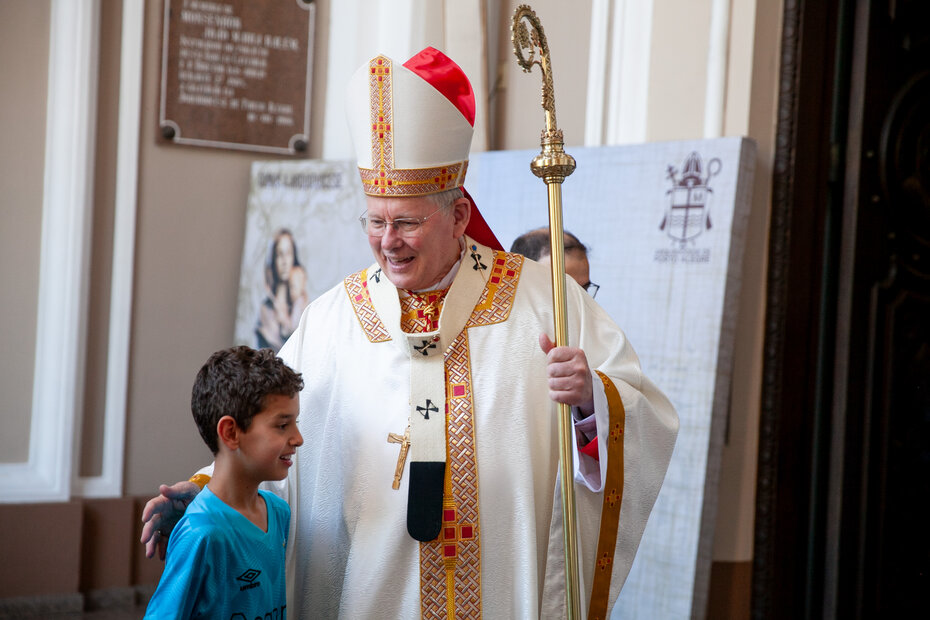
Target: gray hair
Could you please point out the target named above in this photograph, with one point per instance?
(444, 200)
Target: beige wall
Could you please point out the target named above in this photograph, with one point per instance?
(751, 108)
(23, 86)
(191, 214)
(190, 231)
(517, 96)
(677, 70)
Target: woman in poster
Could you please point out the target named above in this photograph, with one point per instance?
(285, 290)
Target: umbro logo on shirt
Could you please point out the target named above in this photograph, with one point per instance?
(249, 577)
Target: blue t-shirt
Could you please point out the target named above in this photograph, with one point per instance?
(221, 565)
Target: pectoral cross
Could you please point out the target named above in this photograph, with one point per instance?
(404, 441)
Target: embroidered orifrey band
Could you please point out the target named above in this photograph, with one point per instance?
(450, 566)
(493, 306)
(356, 286)
(419, 312)
(613, 496)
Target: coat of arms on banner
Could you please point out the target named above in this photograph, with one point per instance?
(688, 211)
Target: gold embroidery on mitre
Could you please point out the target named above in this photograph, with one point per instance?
(381, 99)
(390, 181)
(384, 179)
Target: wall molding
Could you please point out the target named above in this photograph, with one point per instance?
(110, 482)
(618, 72)
(620, 51)
(718, 54)
(597, 73)
(67, 206)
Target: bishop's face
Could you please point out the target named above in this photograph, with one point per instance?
(418, 260)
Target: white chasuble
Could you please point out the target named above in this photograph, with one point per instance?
(499, 552)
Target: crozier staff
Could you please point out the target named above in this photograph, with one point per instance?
(444, 335)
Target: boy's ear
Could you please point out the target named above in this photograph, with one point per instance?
(228, 432)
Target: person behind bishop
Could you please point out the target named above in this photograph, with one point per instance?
(428, 485)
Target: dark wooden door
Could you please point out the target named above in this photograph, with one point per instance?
(880, 516)
(843, 495)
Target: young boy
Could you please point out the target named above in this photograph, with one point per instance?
(226, 554)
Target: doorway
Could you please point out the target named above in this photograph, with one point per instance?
(844, 458)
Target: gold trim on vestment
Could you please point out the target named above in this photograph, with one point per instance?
(493, 307)
(450, 566)
(356, 286)
(419, 312)
(499, 292)
(613, 496)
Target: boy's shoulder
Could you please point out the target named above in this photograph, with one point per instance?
(208, 515)
(273, 501)
(205, 517)
(209, 520)
(206, 505)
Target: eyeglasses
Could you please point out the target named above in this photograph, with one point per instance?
(404, 226)
(592, 288)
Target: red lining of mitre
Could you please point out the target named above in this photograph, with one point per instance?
(478, 228)
(441, 72)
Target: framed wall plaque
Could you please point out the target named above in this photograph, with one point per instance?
(236, 74)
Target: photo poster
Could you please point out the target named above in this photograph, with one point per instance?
(302, 237)
(665, 224)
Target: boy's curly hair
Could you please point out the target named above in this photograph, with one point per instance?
(236, 382)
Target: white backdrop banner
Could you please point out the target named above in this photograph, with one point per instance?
(665, 224)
